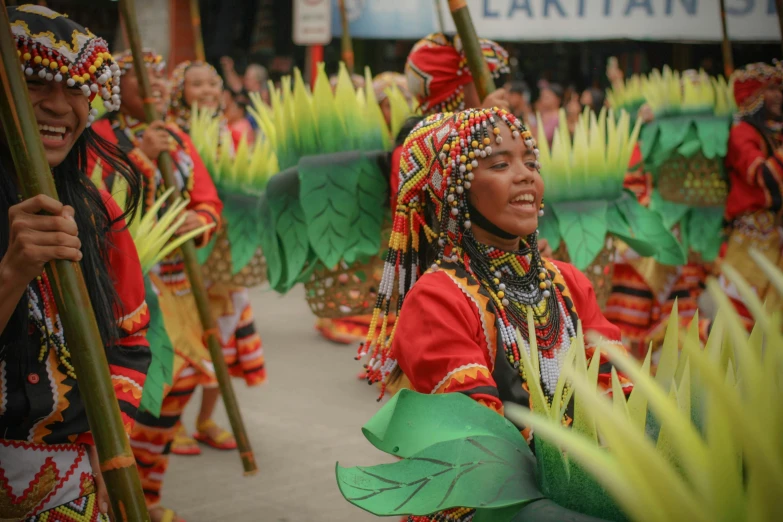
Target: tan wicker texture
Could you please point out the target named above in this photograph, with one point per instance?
(695, 181)
(218, 266)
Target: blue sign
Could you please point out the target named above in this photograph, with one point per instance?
(391, 19)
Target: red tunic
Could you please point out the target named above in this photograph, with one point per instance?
(755, 172)
(446, 336)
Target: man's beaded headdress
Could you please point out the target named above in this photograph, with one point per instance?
(179, 109)
(56, 48)
(436, 167)
(437, 71)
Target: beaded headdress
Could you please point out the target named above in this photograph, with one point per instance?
(152, 59)
(750, 83)
(56, 48)
(384, 80)
(436, 167)
(179, 109)
(437, 71)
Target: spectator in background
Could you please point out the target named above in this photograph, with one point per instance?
(519, 104)
(572, 107)
(255, 80)
(593, 98)
(236, 116)
(548, 107)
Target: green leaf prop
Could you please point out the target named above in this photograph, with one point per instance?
(646, 223)
(671, 213)
(705, 231)
(616, 224)
(481, 471)
(291, 227)
(328, 198)
(269, 243)
(548, 229)
(713, 135)
(410, 422)
(241, 215)
(582, 226)
(161, 367)
(371, 196)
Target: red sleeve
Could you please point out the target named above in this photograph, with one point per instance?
(756, 173)
(636, 179)
(440, 343)
(130, 356)
(203, 195)
(593, 322)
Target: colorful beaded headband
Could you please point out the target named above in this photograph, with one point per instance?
(436, 168)
(56, 48)
(153, 60)
(179, 109)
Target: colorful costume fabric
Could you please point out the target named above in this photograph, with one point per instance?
(755, 204)
(45, 471)
(437, 71)
(43, 461)
(242, 347)
(151, 437)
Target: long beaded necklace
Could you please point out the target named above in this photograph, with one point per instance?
(518, 282)
(46, 321)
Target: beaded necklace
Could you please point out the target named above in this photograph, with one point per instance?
(519, 283)
(45, 319)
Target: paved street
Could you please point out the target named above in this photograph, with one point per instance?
(306, 417)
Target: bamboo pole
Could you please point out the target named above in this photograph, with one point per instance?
(198, 37)
(439, 14)
(127, 8)
(467, 33)
(346, 44)
(728, 58)
(779, 7)
(70, 293)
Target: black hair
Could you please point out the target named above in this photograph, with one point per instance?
(75, 188)
(519, 87)
(406, 129)
(599, 97)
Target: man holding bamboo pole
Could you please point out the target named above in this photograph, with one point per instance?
(50, 467)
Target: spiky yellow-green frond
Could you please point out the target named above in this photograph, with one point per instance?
(700, 440)
(592, 165)
(690, 92)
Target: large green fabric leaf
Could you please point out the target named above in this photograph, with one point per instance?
(548, 229)
(582, 226)
(705, 232)
(161, 367)
(648, 138)
(713, 135)
(616, 224)
(241, 216)
(478, 471)
(671, 213)
(673, 131)
(371, 197)
(410, 422)
(290, 224)
(647, 224)
(269, 243)
(328, 196)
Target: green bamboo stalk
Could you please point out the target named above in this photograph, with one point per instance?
(346, 43)
(128, 11)
(470, 42)
(198, 37)
(70, 293)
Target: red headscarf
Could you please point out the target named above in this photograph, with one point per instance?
(437, 71)
(750, 83)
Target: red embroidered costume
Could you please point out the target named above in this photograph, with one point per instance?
(457, 322)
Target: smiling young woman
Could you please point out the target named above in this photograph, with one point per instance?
(464, 266)
(47, 456)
